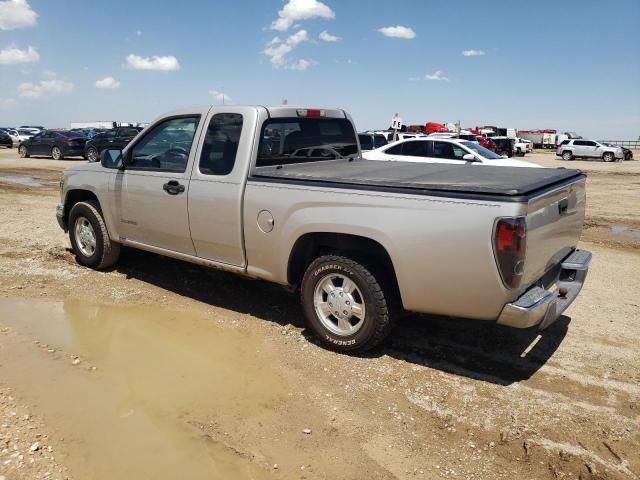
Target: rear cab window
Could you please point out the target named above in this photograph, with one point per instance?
(285, 141)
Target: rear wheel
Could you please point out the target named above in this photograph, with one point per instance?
(56, 153)
(567, 156)
(89, 237)
(608, 157)
(92, 154)
(23, 152)
(345, 305)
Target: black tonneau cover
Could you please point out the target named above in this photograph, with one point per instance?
(425, 178)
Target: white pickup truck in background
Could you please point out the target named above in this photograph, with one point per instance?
(282, 194)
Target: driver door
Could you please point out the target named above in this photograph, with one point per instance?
(150, 194)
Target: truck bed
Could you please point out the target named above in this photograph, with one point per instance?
(467, 180)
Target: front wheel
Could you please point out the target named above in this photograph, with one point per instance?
(608, 157)
(56, 153)
(345, 305)
(23, 152)
(89, 237)
(567, 156)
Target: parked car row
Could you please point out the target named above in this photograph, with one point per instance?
(58, 144)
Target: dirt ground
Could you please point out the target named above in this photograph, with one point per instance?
(160, 369)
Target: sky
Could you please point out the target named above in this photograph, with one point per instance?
(569, 65)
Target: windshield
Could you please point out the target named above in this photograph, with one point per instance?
(483, 152)
(298, 140)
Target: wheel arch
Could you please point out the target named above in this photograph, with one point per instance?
(367, 251)
(75, 196)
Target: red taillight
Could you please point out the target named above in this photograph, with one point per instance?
(510, 245)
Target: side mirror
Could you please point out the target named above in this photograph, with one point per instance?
(469, 157)
(112, 159)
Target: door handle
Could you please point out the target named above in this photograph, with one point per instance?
(173, 187)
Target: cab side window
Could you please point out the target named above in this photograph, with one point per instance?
(221, 144)
(444, 150)
(166, 147)
(415, 148)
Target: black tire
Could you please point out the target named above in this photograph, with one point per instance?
(23, 151)
(106, 251)
(567, 156)
(56, 153)
(92, 154)
(608, 157)
(379, 317)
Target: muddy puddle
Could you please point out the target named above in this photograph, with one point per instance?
(628, 232)
(20, 180)
(158, 374)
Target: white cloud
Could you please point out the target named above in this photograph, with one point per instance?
(14, 55)
(327, 37)
(139, 33)
(107, 82)
(437, 75)
(277, 51)
(219, 96)
(44, 87)
(473, 53)
(16, 14)
(296, 10)
(301, 64)
(398, 32)
(166, 63)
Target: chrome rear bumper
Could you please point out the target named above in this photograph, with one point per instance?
(542, 306)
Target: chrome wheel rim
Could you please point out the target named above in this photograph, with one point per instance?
(566, 156)
(85, 236)
(339, 304)
(23, 151)
(56, 153)
(92, 154)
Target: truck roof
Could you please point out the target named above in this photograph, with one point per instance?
(503, 183)
(278, 111)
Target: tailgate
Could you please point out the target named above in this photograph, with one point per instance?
(554, 225)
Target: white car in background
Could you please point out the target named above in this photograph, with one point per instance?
(442, 150)
(522, 146)
(25, 134)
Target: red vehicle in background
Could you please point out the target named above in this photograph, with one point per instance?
(433, 127)
(486, 143)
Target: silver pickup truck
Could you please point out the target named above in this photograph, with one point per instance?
(282, 194)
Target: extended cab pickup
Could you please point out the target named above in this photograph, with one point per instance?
(282, 194)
